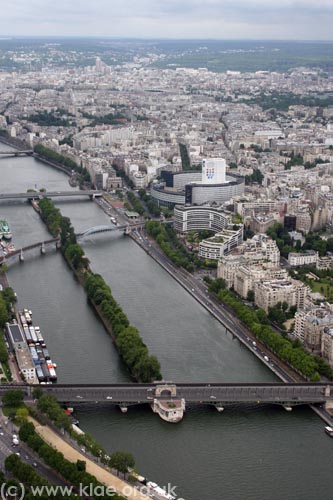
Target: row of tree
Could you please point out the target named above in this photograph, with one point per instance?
(150, 203)
(168, 241)
(128, 341)
(310, 366)
(7, 299)
(60, 226)
(27, 475)
(67, 163)
(130, 345)
(4, 313)
(49, 406)
(75, 473)
(135, 203)
(121, 173)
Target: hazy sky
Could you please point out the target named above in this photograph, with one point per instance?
(272, 19)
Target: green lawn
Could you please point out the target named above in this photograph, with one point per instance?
(324, 288)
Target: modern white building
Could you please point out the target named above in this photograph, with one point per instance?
(195, 218)
(221, 244)
(213, 171)
(303, 259)
(197, 188)
(188, 218)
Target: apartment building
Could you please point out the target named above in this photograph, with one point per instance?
(268, 292)
(303, 259)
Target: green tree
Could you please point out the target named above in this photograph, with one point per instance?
(3, 268)
(13, 397)
(22, 415)
(81, 465)
(122, 461)
(37, 392)
(4, 316)
(75, 254)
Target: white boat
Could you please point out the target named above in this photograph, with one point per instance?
(159, 492)
(329, 430)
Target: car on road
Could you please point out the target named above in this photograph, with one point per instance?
(34, 464)
(79, 397)
(108, 397)
(2, 433)
(212, 397)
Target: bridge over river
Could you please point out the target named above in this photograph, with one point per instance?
(44, 247)
(17, 152)
(37, 195)
(169, 399)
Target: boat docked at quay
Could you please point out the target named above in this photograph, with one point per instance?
(45, 368)
(5, 230)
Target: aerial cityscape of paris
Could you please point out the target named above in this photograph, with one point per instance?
(166, 250)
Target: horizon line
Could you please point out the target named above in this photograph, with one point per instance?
(5, 37)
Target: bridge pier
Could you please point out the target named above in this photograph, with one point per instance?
(21, 256)
(42, 248)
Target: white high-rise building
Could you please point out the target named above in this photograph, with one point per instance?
(213, 171)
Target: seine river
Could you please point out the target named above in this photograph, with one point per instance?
(243, 453)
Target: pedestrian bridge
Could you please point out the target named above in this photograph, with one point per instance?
(218, 395)
(127, 228)
(101, 229)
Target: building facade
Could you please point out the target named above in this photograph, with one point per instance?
(268, 292)
(198, 218)
(303, 259)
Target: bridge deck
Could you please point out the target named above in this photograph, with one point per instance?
(49, 194)
(192, 393)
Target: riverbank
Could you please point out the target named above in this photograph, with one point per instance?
(101, 474)
(199, 291)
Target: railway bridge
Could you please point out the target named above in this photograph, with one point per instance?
(19, 255)
(169, 399)
(38, 195)
(17, 152)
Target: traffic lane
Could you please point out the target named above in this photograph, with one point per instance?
(7, 448)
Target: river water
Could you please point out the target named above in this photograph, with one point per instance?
(246, 453)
